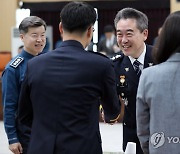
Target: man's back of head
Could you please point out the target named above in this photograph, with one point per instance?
(77, 16)
(77, 20)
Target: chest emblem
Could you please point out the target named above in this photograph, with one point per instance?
(122, 80)
(127, 69)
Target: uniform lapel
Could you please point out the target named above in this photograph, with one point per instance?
(148, 57)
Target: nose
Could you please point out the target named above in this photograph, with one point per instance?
(124, 39)
(40, 39)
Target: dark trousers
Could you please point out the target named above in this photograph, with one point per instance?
(130, 135)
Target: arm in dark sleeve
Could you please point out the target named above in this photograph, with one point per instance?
(25, 114)
(110, 101)
(10, 94)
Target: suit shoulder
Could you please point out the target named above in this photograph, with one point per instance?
(98, 53)
(118, 57)
(40, 56)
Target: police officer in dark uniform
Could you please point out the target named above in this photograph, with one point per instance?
(32, 33)
(132, 30)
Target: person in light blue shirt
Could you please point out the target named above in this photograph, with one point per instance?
(32, 33)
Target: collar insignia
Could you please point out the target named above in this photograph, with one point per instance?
(150, 64)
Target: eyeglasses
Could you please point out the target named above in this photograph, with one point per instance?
(92, 28)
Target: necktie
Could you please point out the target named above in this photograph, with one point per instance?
(136, 67)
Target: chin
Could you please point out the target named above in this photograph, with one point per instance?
(39, 50)
(126, 53)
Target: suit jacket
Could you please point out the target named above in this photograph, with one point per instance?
(158, 106)
(60, 98)
(127, 84)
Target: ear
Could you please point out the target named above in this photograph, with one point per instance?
(145, 33)
(21, 37)
(60, 28)
(89, 32)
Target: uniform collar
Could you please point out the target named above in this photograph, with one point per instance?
(26, 54)
(141, 57)
(71, 43)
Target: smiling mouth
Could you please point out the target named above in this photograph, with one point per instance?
(39, 45)
(125, 47)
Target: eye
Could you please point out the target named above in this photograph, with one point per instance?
(129, 34)
(34, 35)
(119, 34)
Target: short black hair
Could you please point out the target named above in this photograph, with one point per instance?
(169, 39)
(77, 16)
(32, 21)
(108, 28)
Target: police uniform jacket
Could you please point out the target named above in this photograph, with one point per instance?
(12, 78)
(127, 84)
(60, 99)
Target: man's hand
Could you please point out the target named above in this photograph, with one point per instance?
(103, 116)
(102, 113)
(16, 148)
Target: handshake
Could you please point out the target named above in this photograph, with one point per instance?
(113, 121)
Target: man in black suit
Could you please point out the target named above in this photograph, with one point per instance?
(132, 30)
(63, 89)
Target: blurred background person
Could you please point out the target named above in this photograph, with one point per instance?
(158, 97)
(108, 43)
(155, 39)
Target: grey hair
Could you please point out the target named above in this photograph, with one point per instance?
(130, 13)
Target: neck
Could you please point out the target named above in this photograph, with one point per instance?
(139, 53)
(75, 37)
(32, 53)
